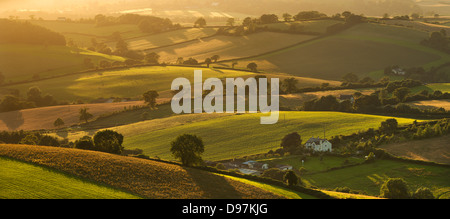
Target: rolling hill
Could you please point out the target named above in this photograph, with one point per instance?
(20, 62)
(144, 178)
(365, 49)
(228, 136)
(20, 180)
(122, 83)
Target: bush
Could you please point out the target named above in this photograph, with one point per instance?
(423, 193)
(394, 188)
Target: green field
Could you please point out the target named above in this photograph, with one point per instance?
(443, 87)
(370, 177)
(19, 62)
(365, 49)
(19, 180)
(228, 136)
(131, 83)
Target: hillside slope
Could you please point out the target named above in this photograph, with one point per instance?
(146, 178)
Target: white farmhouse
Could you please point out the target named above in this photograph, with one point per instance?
(318, 145)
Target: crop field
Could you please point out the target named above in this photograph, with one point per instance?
(167, 38)
(434, 149)
(370, 177)
(125, 83)
(44, 117)
(20, 62)
(431, 104)
(145, 178)
(19, 180)
(230, 47)
(226, 136)
(365, 50)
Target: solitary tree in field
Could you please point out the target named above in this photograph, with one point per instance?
(253, 67)
(215, 58)
(85, 115)
(188, 148)
(290, 85)
(201, 22)
(208, 61)
(58, 122)
(291, 178)
(233, 64)
(150, 98)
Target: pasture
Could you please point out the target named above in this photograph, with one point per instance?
(365, 50)
(369, 177)
(228, 136)
(121, 83)
(146, 178)
(230, 47)
(20, 62)
(20, 180)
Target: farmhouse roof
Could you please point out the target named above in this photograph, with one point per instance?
(316, 140)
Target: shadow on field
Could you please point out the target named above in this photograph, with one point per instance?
(213, 186)
(13, 120)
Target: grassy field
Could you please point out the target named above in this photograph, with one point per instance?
(19, 62)
(228, 136)
(19, 180)
(443, 87)
(370, 177)
(148, 179)
(230, 47)
(431, 104)
(365, 49)
(131, 83)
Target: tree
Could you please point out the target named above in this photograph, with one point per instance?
(34, 94)
(350, 77)
(230, 22)
(30, 139)
(85, 115)
(291, 178)
(188, 148)
(291, 141)
(401, 93)
(389, 126)
(152, 58)
(121, 47)
(287, 17)
(85, 143)
(47, 140)
(150, 98)
(200, 22)
(423, 193)
(208, 61)
(108, 141)
(394, 188)
(289, 85)
(215, 58)
(58, 122)
(253, 67)
(268, 18)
